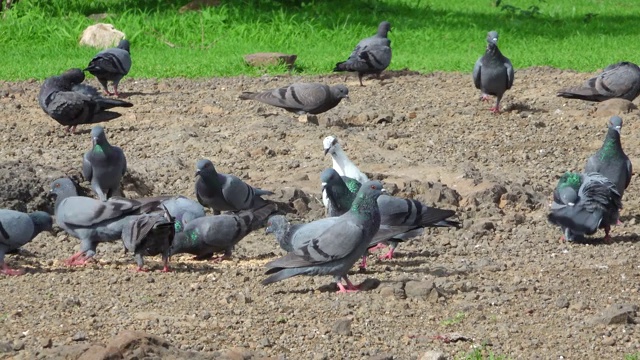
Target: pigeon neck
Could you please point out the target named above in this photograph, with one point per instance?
(340, 195)
(364, 206)
(60, 197)
(611, 146)
(340, 160)
(492, 49)
(101, 148)
(211, 178)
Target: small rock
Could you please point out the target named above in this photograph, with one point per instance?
(615, 107)
(608, 341)
(18, 345)
(6, 347)
(205, 315)
(101, 36)
(79, 336)
(301, 206)
(46, 342)
(418, 289)
(308, 118)
(616, 314)
(381, 357)
(433, 355)
(562, 302)
(342, 326)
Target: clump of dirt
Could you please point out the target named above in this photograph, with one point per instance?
(503, 280)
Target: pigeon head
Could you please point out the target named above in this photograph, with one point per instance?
(277, 224)
(568, 195)
(330, 145)
(615, 123)
(73, 76)
(63, 188)
(204, 167)
(329, 177)
(367, 196)
(98, 137)
(42, 221)
(124, 45)
(384, 28)
(492, 38)
(340, 92)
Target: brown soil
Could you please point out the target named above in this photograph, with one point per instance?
(504, 280)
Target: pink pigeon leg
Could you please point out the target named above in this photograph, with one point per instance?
(165, 268)
(618, 222)
(140, 269)
(350, 285)
(485, 97)
(9, 271)
(363, 263)
(71, 260)
(388, 255)
(495, 110)
(607, 236)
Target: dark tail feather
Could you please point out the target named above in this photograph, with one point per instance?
(247, 95)
(261, 214)
(582, 94)
(433, 216)
(279, 274)
(448, 223)
(261, 192)
(106, 103)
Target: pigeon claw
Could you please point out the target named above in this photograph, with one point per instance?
(347, 289)
(77, 259)
(378, 246)
(6, 270)
(387, 256)
(165, 269)
(140, 269)
(495, 110)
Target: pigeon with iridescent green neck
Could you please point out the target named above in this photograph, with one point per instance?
(331, 246)
(610, 160)
(222, 192)
(401, 219)
(103, 165)
(207, 235)
(584, 203)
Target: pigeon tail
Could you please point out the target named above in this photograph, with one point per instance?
(111, 103)
(246, 95)
(279, 274)
(587, 94)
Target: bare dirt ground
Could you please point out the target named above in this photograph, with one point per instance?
(504, 280)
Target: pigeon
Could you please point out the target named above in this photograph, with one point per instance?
(149, 235)
(71, 103)
(621, 80)
(183, 210)
(371, 56)
(331, 246)
(401, 219)
(610, 160)
(94, 221)
(111, 65)
(493, 72)
(103, 165)
(584, 203)
(341, 164)
(16, 230)
(222, 192)
(302, 98)
(207, 235)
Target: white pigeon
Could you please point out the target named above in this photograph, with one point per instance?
(341, 164)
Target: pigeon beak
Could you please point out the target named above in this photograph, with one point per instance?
(383, 191)
(197, 173)
(571, 204)
(326, 151)
(324, 186)
(268, 230)
(347, 98)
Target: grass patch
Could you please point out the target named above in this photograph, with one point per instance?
(635, 356)
(457, 318)
(482, 353)
(42, 36)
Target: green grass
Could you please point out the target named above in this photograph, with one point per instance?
(481, 353)
(635, 356)
(457, 318)
(39, 37)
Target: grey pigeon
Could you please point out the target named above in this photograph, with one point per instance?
(222, 192)
(94, 221)
(103, 165)
(493, 72)
(207, 235)
(401, 219)
(302, 98)
(331, 246)
(149, 235)
(71, 103)
(16, 230)
(584, 203)
(621, 80)
(111, 65)
(183, 210)
(610, 160)
(371, 56)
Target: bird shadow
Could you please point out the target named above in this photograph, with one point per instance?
(599, 241)
(520, 107)
(140, 93)
(368, 284)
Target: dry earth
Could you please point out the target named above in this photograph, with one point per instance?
(504, 280)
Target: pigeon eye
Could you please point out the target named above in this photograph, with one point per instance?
(373, 187)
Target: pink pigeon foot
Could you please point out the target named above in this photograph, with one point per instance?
(607, 236)
(618, 222)
(165, 269)
(9, 271)
(219, 259)
(76, 259)
(495, 110)
(562, 239)
(378, 246)
(140, 269)
(484, 97)
(388, 255)
(347, 289)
